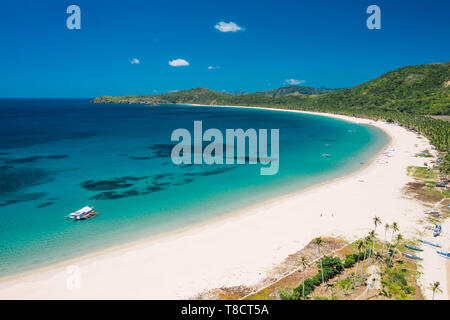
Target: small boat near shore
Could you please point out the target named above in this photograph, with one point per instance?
(411, 256)
(84, 213)
(413, 248)
(437, 230)
(434, 244)
(443, 254)
(432, 212)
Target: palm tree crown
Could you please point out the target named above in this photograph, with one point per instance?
(436, 287)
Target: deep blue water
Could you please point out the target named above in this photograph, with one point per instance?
(57, 156)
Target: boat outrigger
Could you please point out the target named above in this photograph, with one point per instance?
(413, 248)
(84, 213)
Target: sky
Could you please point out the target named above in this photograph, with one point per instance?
(150, 47)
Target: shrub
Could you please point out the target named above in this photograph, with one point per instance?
(350, 260)
(288, 294)
(331, 267)
(395, 283)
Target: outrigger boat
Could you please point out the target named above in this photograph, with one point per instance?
(434, 244)
(437, 230)
(413, 248)
(411, 256)
(444, 254)
(84, 213)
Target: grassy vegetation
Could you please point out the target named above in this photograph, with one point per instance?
(424, 154)
(424, 190)
(423, 173)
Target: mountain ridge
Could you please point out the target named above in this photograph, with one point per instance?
(421, 89)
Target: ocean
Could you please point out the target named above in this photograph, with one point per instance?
(58, 155)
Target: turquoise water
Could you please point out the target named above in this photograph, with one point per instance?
(57, 156)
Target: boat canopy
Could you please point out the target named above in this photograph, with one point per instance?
(82, 210)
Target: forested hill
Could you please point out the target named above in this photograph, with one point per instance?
(295, 91)
(422, 89)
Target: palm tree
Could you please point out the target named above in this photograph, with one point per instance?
(386, 229)
(436, 287)
(398, 239)
(366, 242)
(360, 244)
(304, 263)
(394, 229)
(318, 241)
(376, 222)
(371, 236)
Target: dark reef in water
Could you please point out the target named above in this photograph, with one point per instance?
(112, 184)
(45, 204)
(210, 172)
(24, 198)
(157, 151)
(161, 150)
(15, 180)
(137, 186)
(184, 181)
(21, 139)
(32, 159)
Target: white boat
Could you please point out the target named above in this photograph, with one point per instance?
(81, 212)
(434, 244)
(432, 212)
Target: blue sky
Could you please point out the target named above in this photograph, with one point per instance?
(319, 43)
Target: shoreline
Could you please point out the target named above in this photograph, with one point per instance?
(211, 235)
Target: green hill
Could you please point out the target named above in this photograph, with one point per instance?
(295, 91)
(422, 89)
(198, 95)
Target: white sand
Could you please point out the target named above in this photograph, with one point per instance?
(241, 248)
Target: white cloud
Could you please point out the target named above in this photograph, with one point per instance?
(178, 63)
(223, 26)
(293, 82)
(135, 61)
(213, 68)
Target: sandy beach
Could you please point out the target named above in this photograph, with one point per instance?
(243, 247)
